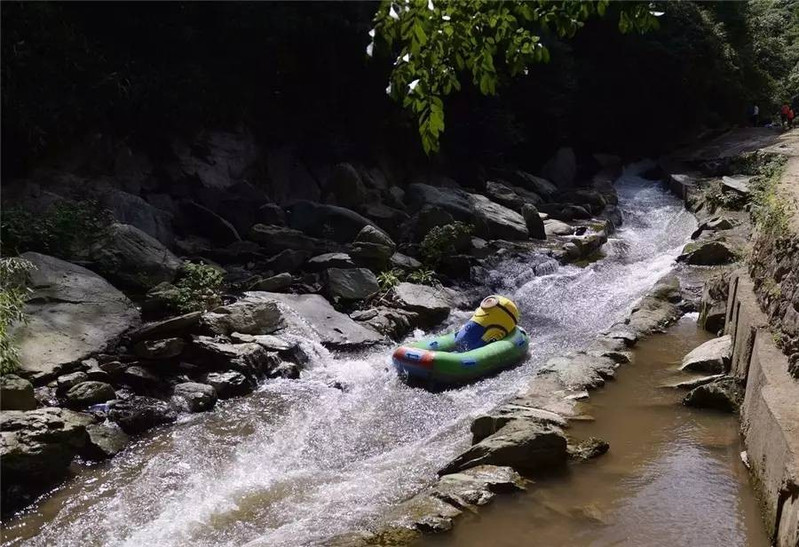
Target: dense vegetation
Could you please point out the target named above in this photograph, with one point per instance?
(299, 73)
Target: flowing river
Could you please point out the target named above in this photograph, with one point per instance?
(301, 461)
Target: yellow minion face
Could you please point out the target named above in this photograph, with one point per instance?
(498, 316)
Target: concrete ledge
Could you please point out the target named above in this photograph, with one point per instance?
(769, 414)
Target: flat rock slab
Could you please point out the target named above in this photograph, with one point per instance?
(335, 330)
(738, 184)
(72, 313)
(712, 357)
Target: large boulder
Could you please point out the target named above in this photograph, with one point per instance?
(430, 303)
(708, 253)
(326, 221)
(229, 383)
(68, 299)
(523, 445)
(504, 195)
(387, 218)
(494, 221)
(345, 187)
(561, 169)
(329, 260)
(36, 448)
(105, 440)
(133, 210)
(454, 201)
(351, 284)
(557, 228)
(89, 393)
(251, 359)
(712, 357)
(723, 394)
(279, 238)
(372, 248)
(132, 259)
(533, 221)
(245, 316)
(16, 393)
(333, 329)
(139, 413)
(178, 325)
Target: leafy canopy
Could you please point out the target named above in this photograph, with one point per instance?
(440, 42)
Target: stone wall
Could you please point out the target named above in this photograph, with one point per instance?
(769, 414)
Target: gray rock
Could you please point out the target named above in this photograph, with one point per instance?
(534, 223)
(105, 441)
(707, 253)
(279, 238)
(246, 316)
(89, 393)
(694, 382)
(277, 283)
(429, 303)
(370, 234)
(329, 260)
(287, 370)
(738, 184)
(182, 324)
(335, 329)
(477, 485)
(68, 299)
(133, 259)
(561, 169)
(351, 284)
(404, 262)
(345, 186)
(557, 228)
(289, 178)
(387, 218)
(36, 448)
(493, 221)
(428, 217)
(67, 381)
(504, 195)
(581, 370)
(287, 260)
(133, 210)
(139, 413)
(724, 394)
(226, 158)
(141, 379)
(521, 444)
(371, 255)
(16, 393)
(229, 384)
(712, 357)
(456, 202)
(488, 424)
(713, 305)
(194, 397)
(250, 359)
(392, 322)
(165, 348)
(326, 221)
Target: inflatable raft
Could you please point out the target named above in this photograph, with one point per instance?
(433, 361)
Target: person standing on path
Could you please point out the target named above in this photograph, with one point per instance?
(754, 115)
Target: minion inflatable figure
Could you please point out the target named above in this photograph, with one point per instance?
(496, 317)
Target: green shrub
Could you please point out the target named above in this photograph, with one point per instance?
(423, 277)
(198, 288)
(769, 210)
(443, 241)
(13, 294)
(65, 229)
(389, 279)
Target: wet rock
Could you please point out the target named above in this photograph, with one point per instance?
(140, 378)
(16, 393)
(201, 220)
(334, 329)
(250, 359)
(712, 225)
(557, 228)
(194, 397)
(581, 370)
(132, 259)
(329, 260)
(712, 357)
(428, 302)
(67, 381)
(276, 283)
(351, 284)
(622, 332)
(392, 322)
(707, 253)
(286, 370)
(181, 324)
(165, 348)
(427, 513)
(229, 384)
(533, 221)
(68, 299)
(521, 444)
(561, 169)
(713, 305)
(36, 448)
(588, 449)
(138, 413)
(105, 441)
(589, 199)
(694, 382)
(494, 221)
(488, 424)
(477, 486)
(246, 316)
(286, 349)
(88, 393)
(614, 215)
(724, 394)
(652, 314)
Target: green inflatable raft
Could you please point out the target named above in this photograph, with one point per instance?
(434, 361)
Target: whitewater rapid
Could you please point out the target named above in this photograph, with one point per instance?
(301, 461)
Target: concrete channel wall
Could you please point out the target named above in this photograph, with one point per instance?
(770, 411)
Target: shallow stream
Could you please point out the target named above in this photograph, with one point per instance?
(301, 461)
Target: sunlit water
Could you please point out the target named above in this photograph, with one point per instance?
(302, 461)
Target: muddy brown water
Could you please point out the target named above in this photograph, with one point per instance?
(673, 475)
